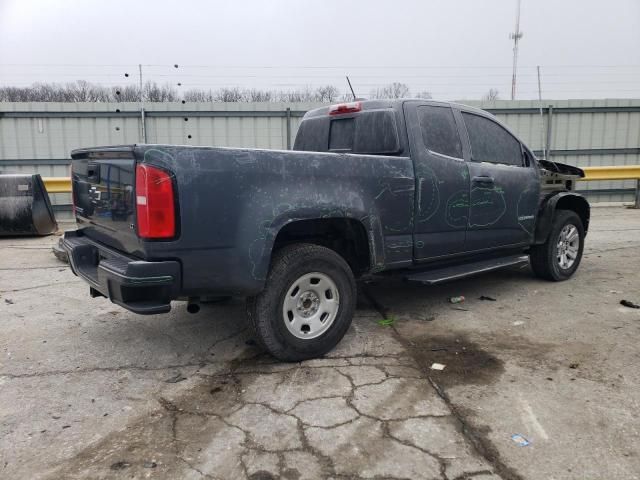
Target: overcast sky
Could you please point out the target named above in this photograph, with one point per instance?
(455, 49)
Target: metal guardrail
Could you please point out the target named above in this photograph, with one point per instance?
(621, 172)
(57, 184)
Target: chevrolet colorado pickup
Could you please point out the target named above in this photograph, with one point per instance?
(427, 190)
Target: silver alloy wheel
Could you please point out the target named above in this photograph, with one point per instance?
(568, 246)
(311, 305)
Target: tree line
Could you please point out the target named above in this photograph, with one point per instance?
(83, 91)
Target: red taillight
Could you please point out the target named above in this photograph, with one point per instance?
(350, 107)
(155, 205)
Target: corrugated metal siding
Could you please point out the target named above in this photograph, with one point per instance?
(44, 139)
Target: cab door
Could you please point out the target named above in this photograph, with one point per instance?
(442, 180)
(504, 186)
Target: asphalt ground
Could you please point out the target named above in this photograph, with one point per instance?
(89, 390)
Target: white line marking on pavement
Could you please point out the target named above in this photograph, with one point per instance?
(531, 420)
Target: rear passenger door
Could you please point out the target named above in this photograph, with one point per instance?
(442, 180)
(503, 199)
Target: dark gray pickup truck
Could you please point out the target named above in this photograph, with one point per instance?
(427, 190)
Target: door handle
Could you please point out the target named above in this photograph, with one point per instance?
(483, 179)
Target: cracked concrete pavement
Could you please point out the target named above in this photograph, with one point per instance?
(88, 390)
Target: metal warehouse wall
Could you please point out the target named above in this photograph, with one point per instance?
(37, 137)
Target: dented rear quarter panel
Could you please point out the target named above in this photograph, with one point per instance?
(233, 202)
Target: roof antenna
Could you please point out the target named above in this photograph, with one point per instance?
(351, 88)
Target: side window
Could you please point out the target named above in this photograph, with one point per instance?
(439, 131)
(490, 142)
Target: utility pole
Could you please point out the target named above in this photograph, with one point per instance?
(515, 36)
(142, 120)
(544, 151)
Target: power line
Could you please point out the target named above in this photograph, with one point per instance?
(321, 66)
(288, 75)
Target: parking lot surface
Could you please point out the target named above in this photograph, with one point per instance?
(540, 383)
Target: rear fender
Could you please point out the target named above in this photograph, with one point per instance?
(560, 201)
(261, 248)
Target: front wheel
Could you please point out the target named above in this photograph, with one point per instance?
(307, 304)
(558, 258)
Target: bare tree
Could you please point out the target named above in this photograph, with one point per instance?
(304, 95)
(128, 93)
(83, 91)
(195, 95)
(152, 92)
(393, 90)
(328, 93)
(492, 95)
(255, 95)
(424, 94)
(229, 95)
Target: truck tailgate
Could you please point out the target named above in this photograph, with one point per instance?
(103, 195)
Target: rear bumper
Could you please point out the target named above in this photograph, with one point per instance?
(139, 286)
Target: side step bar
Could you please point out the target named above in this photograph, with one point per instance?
(441, 275)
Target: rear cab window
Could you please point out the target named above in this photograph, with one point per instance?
(342, 134)
(490, 142)
(372, 132)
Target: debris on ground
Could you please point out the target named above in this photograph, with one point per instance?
(488, 298)
(626, 303)
(458, 299)
(439, 349)
(120, 465)
(574, 365)
(517, 323)
(387, 322)
(437, 366)
(176, 378)
(8, 301)
(520, 440)
(60, 252)
(150, 464)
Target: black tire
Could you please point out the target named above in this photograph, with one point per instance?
(544, 258)
(265, 311)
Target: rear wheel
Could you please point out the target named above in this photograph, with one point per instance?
(559, 257)
(307, 304)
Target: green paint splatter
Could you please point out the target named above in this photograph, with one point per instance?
(387, 322)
